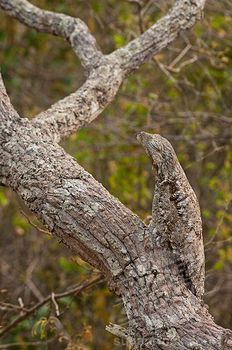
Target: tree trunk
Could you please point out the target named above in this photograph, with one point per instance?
(163, 313)
(157, 269)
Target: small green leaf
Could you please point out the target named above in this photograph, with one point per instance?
(39, 328)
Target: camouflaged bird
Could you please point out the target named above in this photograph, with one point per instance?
(176, 217)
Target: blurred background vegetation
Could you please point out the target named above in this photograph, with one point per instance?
(184, 94)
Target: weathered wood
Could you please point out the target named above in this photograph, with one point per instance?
(162, 310)
(158, 270)
(72, 29)
(107, 71)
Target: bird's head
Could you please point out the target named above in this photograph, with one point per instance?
(159, 150)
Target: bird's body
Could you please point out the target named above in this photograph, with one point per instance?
(176, 217)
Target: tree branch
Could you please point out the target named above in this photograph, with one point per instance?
(25, 313)
(162, 308)
(8, 118)
(157, 270)
(182, 16)
(68, 200)
(6, 107)
(72, 29)
(83, 106)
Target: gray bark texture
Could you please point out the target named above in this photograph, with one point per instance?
(157, 269)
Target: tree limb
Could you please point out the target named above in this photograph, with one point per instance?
(181, 17)
(83, 106)
(6, 107)
(68, 200)
(72, 29)
(163, 310)
(25, 313)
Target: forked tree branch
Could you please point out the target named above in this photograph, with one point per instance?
(181, 17)
(159, 302)
(149, 266)
(84, 105)
(80, 108)
(68, 200)
(72, 29)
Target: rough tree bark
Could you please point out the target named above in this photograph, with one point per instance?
(158, 270)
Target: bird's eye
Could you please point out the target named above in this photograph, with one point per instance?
(154, 166)
(157, 146)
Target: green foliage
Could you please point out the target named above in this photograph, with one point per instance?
(3, 198)
(72, 266)
(119, 40)
(39, 328)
